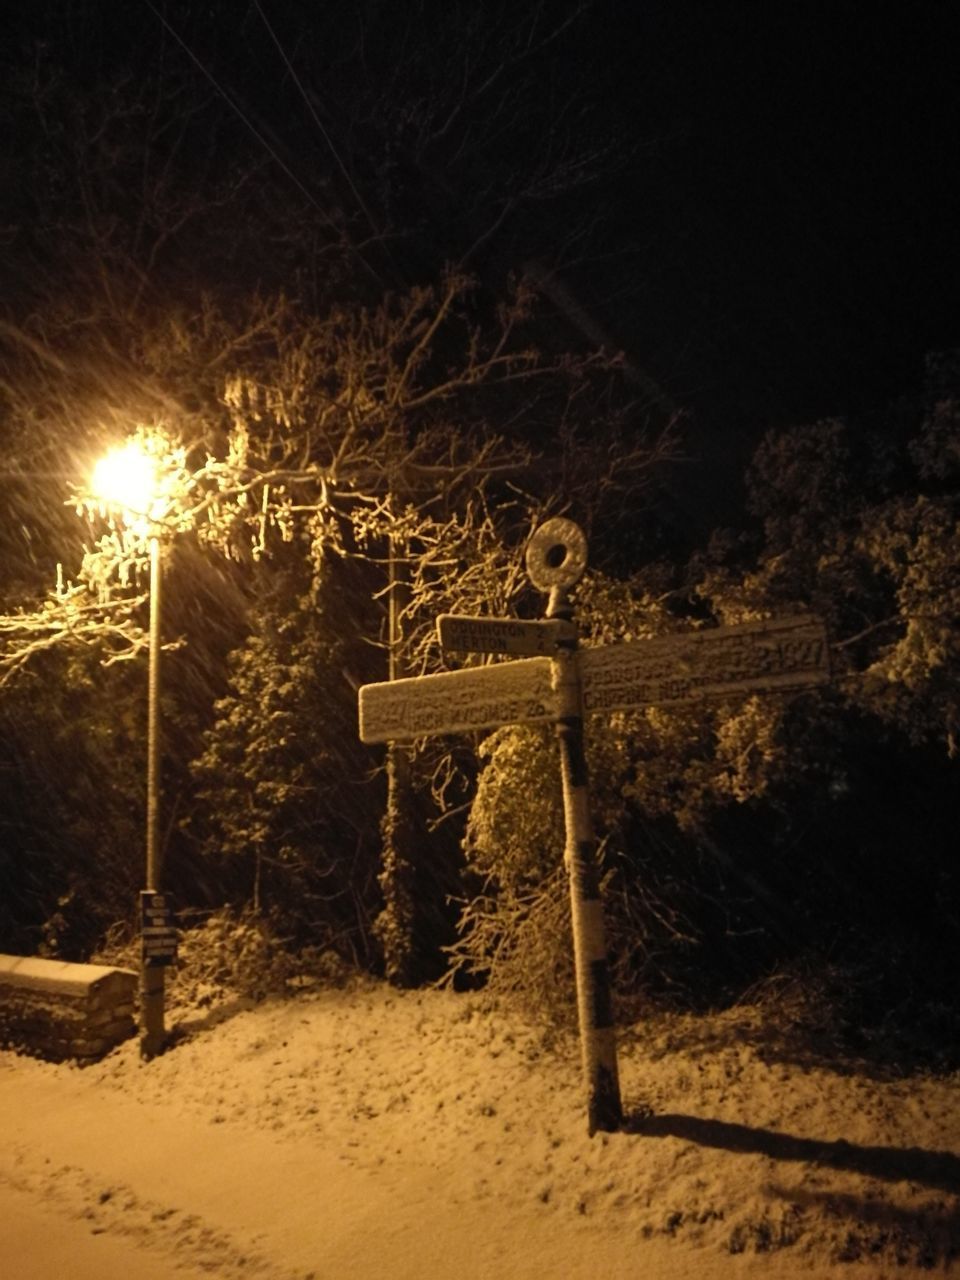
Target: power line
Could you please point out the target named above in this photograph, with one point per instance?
(317, 121)
(264, 142)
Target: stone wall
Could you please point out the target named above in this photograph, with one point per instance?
(56, 1010)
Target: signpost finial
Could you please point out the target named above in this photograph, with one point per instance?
(556, 555)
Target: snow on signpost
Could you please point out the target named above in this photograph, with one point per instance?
(560, 684)
(778, 655)
(457, 701)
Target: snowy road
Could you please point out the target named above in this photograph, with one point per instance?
(102, 1190)
(92, 1186)
(367, 1135)
(38, 1243)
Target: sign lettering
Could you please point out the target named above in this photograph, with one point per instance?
(779, 655)
(158, 932)
(757, 657)
(465, 634)
(457, 701)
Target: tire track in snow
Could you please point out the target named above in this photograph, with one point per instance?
(117, 1209)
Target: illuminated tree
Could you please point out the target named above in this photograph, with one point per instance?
(288, 313)
(745, 835)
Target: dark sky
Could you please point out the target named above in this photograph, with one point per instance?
(784, 245)
(803, 201)
(797, 218)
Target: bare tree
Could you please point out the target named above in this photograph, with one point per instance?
(275, 297)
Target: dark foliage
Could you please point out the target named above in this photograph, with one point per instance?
(263, 263)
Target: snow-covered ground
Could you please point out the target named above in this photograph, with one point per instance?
(363, 1132)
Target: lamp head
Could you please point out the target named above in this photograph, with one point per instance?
(128, 477)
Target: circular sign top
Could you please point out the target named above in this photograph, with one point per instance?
(556, 554)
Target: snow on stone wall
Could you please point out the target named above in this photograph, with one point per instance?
(57, 1010)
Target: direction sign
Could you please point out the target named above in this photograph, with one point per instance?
(457, 701)
(460, 632)
(775, 655)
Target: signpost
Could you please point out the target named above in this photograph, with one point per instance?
(778, 655)
(771, 656)
(502, 635)
(457, 701)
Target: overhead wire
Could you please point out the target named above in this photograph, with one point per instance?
(245, 119)
(316, 119)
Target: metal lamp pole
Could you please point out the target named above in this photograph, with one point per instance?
(152, 1030)
(127, 479)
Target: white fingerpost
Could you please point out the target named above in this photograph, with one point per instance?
(556, 558)
(559, 682)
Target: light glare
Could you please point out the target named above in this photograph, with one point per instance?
(127, 477)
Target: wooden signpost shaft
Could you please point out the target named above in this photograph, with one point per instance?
(594, 1004)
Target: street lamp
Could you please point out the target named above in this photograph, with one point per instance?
(130, 480)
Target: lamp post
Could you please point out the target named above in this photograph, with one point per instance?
(128, 479)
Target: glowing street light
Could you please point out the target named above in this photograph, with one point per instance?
(130, 480)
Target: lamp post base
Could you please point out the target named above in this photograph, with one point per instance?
(153, 1033)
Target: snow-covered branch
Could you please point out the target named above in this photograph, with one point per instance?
(71, 617)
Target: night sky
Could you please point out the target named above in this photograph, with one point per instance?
(779, 243)
(806, 206)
